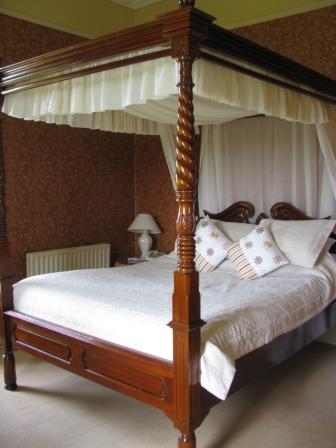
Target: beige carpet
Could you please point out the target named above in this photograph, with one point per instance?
(294, 406)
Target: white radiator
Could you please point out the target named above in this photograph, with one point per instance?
(81, 257)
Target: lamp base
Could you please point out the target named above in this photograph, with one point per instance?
(145, 243)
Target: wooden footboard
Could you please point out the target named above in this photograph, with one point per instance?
(133, 373)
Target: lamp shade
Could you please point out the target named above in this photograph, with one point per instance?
(142, 222)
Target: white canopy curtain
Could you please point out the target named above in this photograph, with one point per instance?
(142, 98)
(168, 140)
(264, 160)
(327, 137)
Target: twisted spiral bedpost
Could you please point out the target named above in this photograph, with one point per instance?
(186, 28)
(185, 169)
(186, 322)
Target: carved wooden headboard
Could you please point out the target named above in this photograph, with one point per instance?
(240, 211)
(243, 211)
(284, 211)
(287, 212)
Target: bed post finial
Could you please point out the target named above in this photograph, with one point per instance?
(185, 3)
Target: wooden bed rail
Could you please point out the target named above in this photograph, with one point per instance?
(143, 377)
(231, 44)
(27, 83)
(136, 38)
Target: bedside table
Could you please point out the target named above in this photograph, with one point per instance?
(136, 260)
(119, 263)
(128, 261)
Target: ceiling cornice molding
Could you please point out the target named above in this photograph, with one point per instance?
(135, 4)
(288, 13)
(239, 24)
(45, 23)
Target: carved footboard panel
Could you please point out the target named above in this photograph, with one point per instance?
(140, 376)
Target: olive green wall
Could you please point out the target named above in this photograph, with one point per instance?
(236, 13)
(88, 18)
(92, 18)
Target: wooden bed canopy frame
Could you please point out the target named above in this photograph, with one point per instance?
(174, 387)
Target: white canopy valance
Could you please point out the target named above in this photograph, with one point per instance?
(143, 98)
(121, 99)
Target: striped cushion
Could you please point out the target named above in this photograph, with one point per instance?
(256, 254)
(211, 245)
(241, 263)
(202, 264)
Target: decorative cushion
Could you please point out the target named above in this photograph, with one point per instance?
(301, 241)
(211, 245)
(234, 230)
(256, 254)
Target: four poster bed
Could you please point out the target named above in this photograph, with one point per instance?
(249, 80)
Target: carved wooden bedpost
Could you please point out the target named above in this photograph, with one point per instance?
(186, 322)
(186, 28)
(6, 301)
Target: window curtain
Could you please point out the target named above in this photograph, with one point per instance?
(266, 160)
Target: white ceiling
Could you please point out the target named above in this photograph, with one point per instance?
(135, 4)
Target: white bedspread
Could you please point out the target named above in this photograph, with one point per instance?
(131, 306)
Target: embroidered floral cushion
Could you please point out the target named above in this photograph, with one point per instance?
(211, 245)
(256, 254)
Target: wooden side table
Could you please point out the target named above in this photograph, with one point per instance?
(119, 263)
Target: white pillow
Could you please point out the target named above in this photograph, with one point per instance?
(234, 230)
(256, 254)
(211, 245)
(301, 241)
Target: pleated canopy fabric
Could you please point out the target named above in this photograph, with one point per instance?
(143, 98)
(135, 98)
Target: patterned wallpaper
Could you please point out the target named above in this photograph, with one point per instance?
(308, 38)
(62, 185)
(154, 192)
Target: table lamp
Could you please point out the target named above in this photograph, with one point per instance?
(144, 224)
